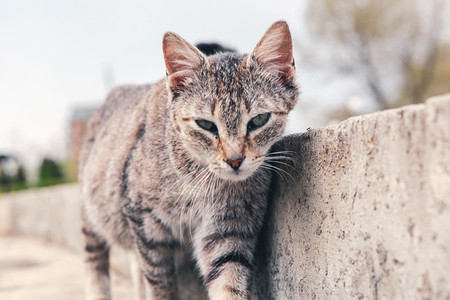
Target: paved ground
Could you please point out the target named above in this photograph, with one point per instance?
(32, 269)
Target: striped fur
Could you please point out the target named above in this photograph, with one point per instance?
(154, 181)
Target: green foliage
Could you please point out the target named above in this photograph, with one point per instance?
(50, 173)
(13, 183)
(4, 180)
(20, 176)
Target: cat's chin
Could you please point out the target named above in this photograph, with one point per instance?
(235, 175)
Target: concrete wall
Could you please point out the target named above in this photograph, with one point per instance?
(366, 214)
(362, 212)
(52, 213)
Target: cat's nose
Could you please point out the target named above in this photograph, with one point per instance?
(235, 162)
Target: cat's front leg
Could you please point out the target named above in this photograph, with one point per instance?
(155, 250)
(225, 256)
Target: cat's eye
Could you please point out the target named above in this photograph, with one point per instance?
(258, 121)
(207, 125)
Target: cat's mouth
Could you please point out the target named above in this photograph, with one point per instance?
(238, 174)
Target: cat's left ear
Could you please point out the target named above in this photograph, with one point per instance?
(182, 61)
(274, 52)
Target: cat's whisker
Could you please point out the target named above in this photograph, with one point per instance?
(280, 158)
(211, 202)
(178, 181)
(188, 197)
(280, 161)
(283, 171)
(280, 152)
(193, 193)
(203, 181)
(276, 169)
(184, 186)
(275, 161)
(265, 167)
(187, 184)
(198, 180)
(183, 177)
(212, 187)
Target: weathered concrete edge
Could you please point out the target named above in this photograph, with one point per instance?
(354, 259)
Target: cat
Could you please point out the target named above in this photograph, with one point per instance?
(186, 162)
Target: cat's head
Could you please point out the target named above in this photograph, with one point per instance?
(229, 109)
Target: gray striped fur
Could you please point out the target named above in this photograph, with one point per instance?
(152, 180)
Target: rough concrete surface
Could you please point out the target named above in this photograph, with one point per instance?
(366, 214)
(362, 212)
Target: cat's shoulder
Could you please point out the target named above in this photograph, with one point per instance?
(121, 97)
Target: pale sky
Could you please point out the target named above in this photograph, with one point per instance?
(53, 55)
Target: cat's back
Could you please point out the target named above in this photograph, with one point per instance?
(111, 135)
(111, 132)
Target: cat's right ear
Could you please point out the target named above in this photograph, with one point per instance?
(182, 61)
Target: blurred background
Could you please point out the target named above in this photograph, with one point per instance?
(58, 60)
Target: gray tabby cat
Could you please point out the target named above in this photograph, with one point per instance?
(186, 161)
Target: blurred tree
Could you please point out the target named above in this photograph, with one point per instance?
(4, 180)
(12, 174)
(50, 173)
(21, 178)
(395, 48)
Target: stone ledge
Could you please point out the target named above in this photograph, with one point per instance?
(52, 213)
(366, 213)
